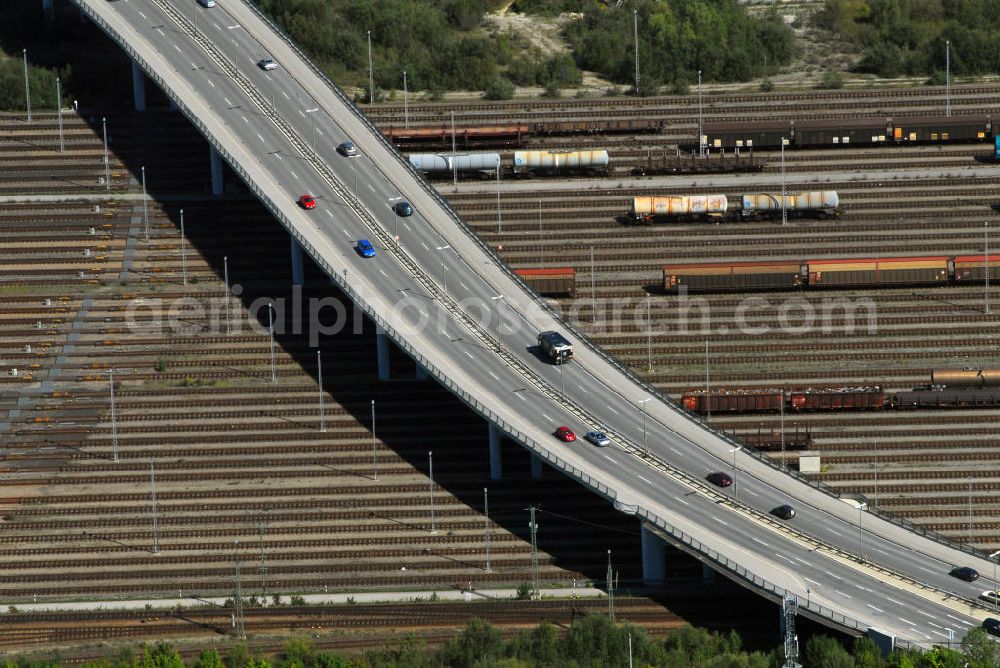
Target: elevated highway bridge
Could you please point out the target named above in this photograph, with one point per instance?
(451, 304)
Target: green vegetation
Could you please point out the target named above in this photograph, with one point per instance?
(908, 36)
(678, 38)
(592, 642)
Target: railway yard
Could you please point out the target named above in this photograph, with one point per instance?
(245, 465)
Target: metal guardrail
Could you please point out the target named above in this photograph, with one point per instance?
(401, 341)
(568, 325)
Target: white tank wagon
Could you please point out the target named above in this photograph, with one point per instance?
(569, 162)
(463, 163)
(674, 207)
(824, 202)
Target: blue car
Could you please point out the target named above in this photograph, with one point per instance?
(365, 248)
(403, 209)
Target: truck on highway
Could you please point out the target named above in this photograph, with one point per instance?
(555, 346)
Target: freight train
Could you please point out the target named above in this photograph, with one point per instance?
(716, 207)
(872, 131)
(829, 273)
(523, 163)
(838, 399)
(511, 136)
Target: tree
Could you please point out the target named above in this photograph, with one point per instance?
(163, 655)
(980, 648)
(831, 81)
(866, 653)
(209, 658)
(499, 89)
(478, 643)
(825, 652)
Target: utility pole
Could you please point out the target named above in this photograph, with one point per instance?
(611, 591)
(876, 471)
(114, 423)
(454, 162)
(62, 144)
(27, 86)
(107, 165)
(238, 628)
(593, 286)
(784, 465)
(430, 467)
(406, 105)
(263, 561)
(371, 72)
(986, 232)
(184, 273)
(708, 396)
(649, 336)
(541, 239)
(499, 221)
(635, 33)
(701, 135)
(145, 204)
(947, 77)
(486, 526)
(319, 371)
(970, 509)
(784, 208)
(374, 456)
(270, 322)
(225, 279)
(533, 526)
(152, 487)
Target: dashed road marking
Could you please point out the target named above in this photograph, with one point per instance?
(646, 480)
(843, 594)
(425, 246)
(878, 610)
(907, 621)
(812, 581)
(892, 600)
(803, 561)
(758, 540)
(178, 48)
(835, 533)
(245, 119)
(210, 83)
(613, 410)
(382, 271)
(468, 354)
(294, 175)
(722, 522)
(260, 138)
(495, 377)
(464, 286)
(750, 492)
(610, 460)
(583, 389)
(347, 234)
(228, 103)
(676, 450)
(142, 15)
(781, 556)
(681, 500)
(925, 614)
(286, 95)
(834, 575)
(546, 417)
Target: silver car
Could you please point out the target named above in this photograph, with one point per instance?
(600, 439)
(347, 149)
(267, 64)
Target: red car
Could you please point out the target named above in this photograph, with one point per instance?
(565, 434)
(307, 201)
(719, 478)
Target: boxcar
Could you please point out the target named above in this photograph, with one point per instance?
(842, 132)
(971, 127)
(554, 282)
(759, 134)
(973, 268)
(719, 277)
(947, 399)
(834, 399)
(976, 377)
(746, 401)
(877, 271)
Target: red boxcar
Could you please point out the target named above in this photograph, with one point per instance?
(747, 401)
(836, 399)
(553, 282)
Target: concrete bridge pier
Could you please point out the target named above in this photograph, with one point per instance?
(421, 373)
(496, 463)
(138, 87)
(382, 352)
(298, 273)
(707, 574)
(216, 162)
(653, 557)
(49, 10)
(536, 467)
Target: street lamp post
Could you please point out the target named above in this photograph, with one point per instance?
(444, 269)
(270, 320)
(736, 491)
(236, 52)
(406, 105)
(645, 444)
(701, 143)
(312, 146)
(62, 145)
(993, 557)
(371, 72)
(27, 86)
(145, 204)
(947, 77)
(107, 166)
(184, 273)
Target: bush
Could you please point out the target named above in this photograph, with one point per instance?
(552, 90)
(499, 89)
(766, 86)
(831, 81)
(297, 599)
(523, 592)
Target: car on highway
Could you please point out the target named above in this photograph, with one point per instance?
(991, 595)
(207, 3)
(598, 438)
(565, 434)
(307, 201)
(267, 64)
(403, 208)
(347, 149)
(719, 478)
(965, 573)
(365, 248)
(785, 512)
(992, 626)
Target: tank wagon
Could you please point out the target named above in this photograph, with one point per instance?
(827, 273)
(838, 399)
(554, 282)
(648, 209)
(670, 208)
(966, 377)
(436, 164)
(872, 131)
(529, 163)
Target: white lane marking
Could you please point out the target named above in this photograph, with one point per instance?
(468, 354)
(382, 271)
(682, 501)
(520, 395)
(893, 600)
(228, 103)
(925, 614)
(286, 95)
(371, 187)
(927, 570)
(327, 212)
(319, 132)
(758, 540)
(424, 313)
(178, 48)
(835, 533)
(260, 138)
(278, 156)
(463, 285)
(613, 410)
(245, 119)
(647, 480)
(301, 113)
(939, 633)
(750, 492)
(960, 621)
(907, 621)
(194, 66)
(803, 561)
(781, 556)
(722, 522)
(879, 610)
(210, 83)
(425, 246)
(546, 417)
(141, 14)
(676, 450)
(217, 27)
(812, 581)
(834, 575)
(862, 587)
(160, 31)
(842, 593)
(583, 389)
(610, 460)
(294, 175)
(347, 234)
(880, 551)
(406, 225)
(495, 377)
(935, 626)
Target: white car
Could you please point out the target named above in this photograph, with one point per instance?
(991, 596)
(598, 438)
(267, 64)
